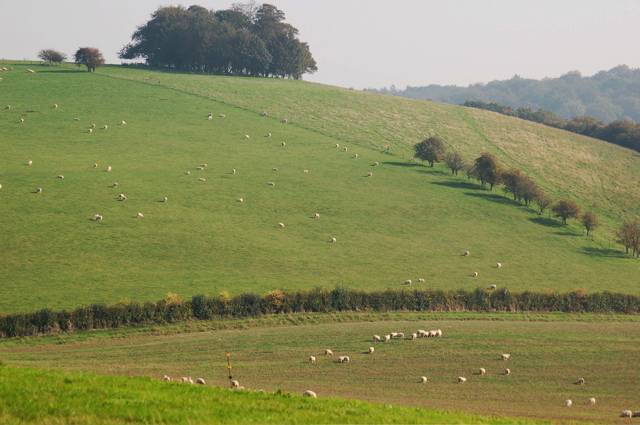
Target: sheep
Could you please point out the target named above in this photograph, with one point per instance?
(591, 401)
(466, 253)
(309, 393)
(199, 168)
(268, 135)
(626, 414)
(31, 71)
(222, 116)
(376, 338)
(371, 350)
(492, 287)
(60, 177)
(505, 356)
(115, 184)
(568, 403)
(241, 200)
(272, 184)
(423, 380)
(234, 171)
(0, 186)
(316, 216)
(356, 156)
(312, 359)
(263, 114)
(109, 168)
(55, 106)
(414, 336)
(139, 215)
(274, 169)
(498, 265)
(90, 131)
(408, 282)
(398, 335)
(165, 199)
(188, 173)
(202, 179)
(328, 352)
(235, 383)
(122, 197)
(166, 378)
(29, 163)
(387, 338)
(422, 333)
(200, 381)
(507, 371)
(105, 127)
(246, 136)
(93, 125)
(344, 359)
(337, 145)
(333, 239)
(431, 334)
(97, 217)
(375, 164)
(21, 120)
(123, 123)
(305, 171)
(461, 379)
(482, 371)
(285, 121)
(187, 380)
(370, 174)
(38, 190)
(474, 274)
(210, 116)
(95, 164)
(421, 280)
(580, 381)
(345, 149)
(283, 144)
(438, 333)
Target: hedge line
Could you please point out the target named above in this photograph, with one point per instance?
(200, 307)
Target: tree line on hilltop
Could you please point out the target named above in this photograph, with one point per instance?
(488, 171)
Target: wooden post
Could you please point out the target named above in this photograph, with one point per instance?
(229, 368)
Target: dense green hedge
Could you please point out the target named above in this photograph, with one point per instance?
(202, 307)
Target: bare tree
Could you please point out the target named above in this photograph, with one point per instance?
(52, 56)
(589, 221)
(566, 209)
(455, 162)
(629, 236)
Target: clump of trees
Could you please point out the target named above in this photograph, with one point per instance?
(486, 169)
(52, 56)
(242, 40)
(431, 149)
(89, 57)
(629, 236)
(566, 209)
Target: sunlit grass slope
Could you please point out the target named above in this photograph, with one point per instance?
(404, 222)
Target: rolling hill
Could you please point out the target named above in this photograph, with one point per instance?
(403, 222)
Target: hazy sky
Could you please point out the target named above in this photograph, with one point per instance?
(374, 43)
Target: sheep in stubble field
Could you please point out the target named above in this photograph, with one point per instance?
(474, 274)
(97, 217)
(316, 216)
(492, 287)
(376, 338)
(580, 381)
(507, 371)
(466, 253)
(568, 403)
(371, 350)
(414, 336)
(235, 383)
(498, 265)
(312, 359)
(305, 171)
(387, 338)
(591, 401)
(505, 356)
(482, 371)
(421, 280)
(166, 378)
(461, 379)
(328, 352)
(626, 414)
(139, 215)
(60, 177)
(333, 239)
(344, 359)
(309, 393)
(29, 163)
(423, 380)
(38, 190)
(200, 381)
(408, 282)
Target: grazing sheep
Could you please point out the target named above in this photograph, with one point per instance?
(376, 338)
(90, 130)
(492, 287)
(375, 164)
(97, 217)
(235, 383)
(199, 168)
(371, 350)
(55, 106)
(202, 179)
(387, 338)
(268, 135)
(29, 163)
(333, 239)
(123, 122)
(61, 177)
(93, 125)
(431, 334)
(272, 184)
(580, 381)
(408, 282)
(205, 165)
(21, 120)
(370, 174)
(505, 356)
(397, 335)
(475, 274)
(461, 379)
(507, 371)
(188, 173)
(328, 352)
(241, 200)
(95, 164)
(423, 379)
(274, 169)
(345, 149)
(210, 117)
(122, 197)
(234, 171)
(337, 145)
(309, 393)
(591, 401)
(115, 184)
(466, 253)
(316, 216)
(422, 333)
(421, 280)
(356, 156)
(305, 171)
(626, 414)
(38, 190)
(344, 359)
(568, 403)
(246, 136)
(482, 371)
(438, 333)
(166, 378)
(498, 265)
(414, 336)
(200, 381)
(31, 71)
(283, 144)
(105, 127)
(285, 121)
(165, 199)
(312, 359)
(222, 116)
(139, 215)
(109, 168)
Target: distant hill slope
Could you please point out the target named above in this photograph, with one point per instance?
(404, 222)
(608, 95)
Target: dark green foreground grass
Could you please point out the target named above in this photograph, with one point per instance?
(29, 396)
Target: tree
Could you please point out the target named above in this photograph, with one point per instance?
(486, 169)
(513, 182)
(566, 209)
(629, 236)
(90, 57)
(455, 162)
(52, 56)
(589, 221)
(430, 149)
(543, 201)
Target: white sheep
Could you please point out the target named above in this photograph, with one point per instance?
(626, 414)
(421, 280)
(97, 217)
(316, 216)
(274, 169)
(414, 336)
(222, 116)
(376, 338)
(0, 186)
(285, 121)
(29, 163)
(115, 184)
(139, 215)
(466, 253)
(90, 130)
(166, 378)
(263, 114)
(423, 379)
(492, 287)
(507, 371)
(105, 127)
(281, 225)
(200, 381)
(356, 156)
(283, 144)
(333, 239)
(123, 122)
(272, 184)
(580, 381)
(422, 333)
(202, 179)
(93, 125)
(31, 71)
(38, 190)
(312, 359)
(337, 145)
(344, 359)
(305, 171)
(375, 164)
(505, 356)
(371, 350)
(482, 371)
(234, 171)
(568, 403)
(165, 199)
(462, 379)
(431, 334)
(205, 165)
(55, 106)
(498, 265)
(268, 135)
(188, 173)
(199, 168)
(387, 338)
(408, 282)
(21, 120)
(235, 383)
(474, 274)
(241, 200)
(397, 335)
(109, 168)
(246, 136)
(370, 174)
(210, 116)
(60, 177)
(122, 197)
(309, 393)
(345, 149)
(592, 401)
(328, 352)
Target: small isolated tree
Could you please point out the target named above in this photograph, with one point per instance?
(431, 149)
(566, 209)
(52, 56)
(455, 162)
(629, 236)
(589, 221)
(542, 201)
(90, 57)
(486, 169)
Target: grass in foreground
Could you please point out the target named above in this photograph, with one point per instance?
(30, 396)
(549, 354)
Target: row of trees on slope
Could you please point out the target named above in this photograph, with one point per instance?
(488, 171)
(243, 40)
(87, 56)
(622, 132)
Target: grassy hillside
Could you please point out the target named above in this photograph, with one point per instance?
(549, 352)
(404, 222)
(47, 398)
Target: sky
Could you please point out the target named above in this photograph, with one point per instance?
(375, 43)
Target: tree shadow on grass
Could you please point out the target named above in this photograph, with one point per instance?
(456, 184)
(61, 71)
(433, 171)
(546, 221)
(494, 198)
(604, 252)
(568, 233)
(402, 164)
